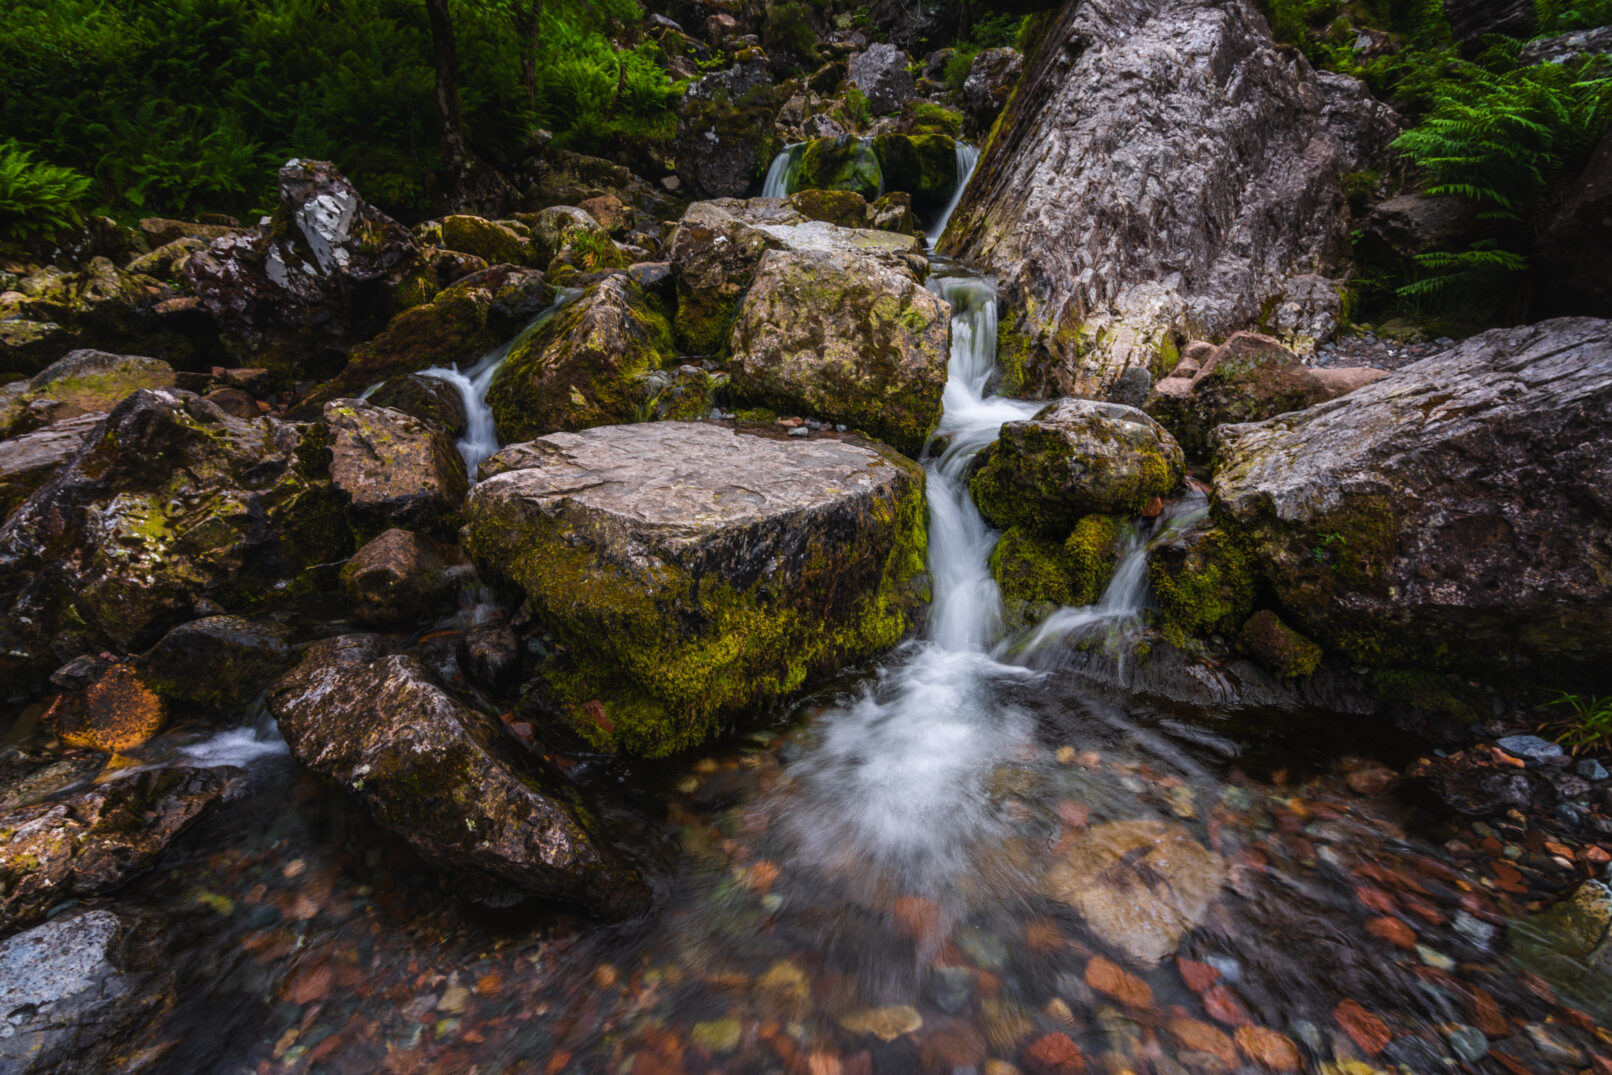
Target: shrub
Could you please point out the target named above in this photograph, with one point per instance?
(37, 199)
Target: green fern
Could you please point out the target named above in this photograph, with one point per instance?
(38, 199)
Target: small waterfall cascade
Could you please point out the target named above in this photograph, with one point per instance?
(968, 158)
(481, 436)
(781, 174)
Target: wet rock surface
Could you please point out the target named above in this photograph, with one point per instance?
(397, 578)
(438, 773)
(171, 503)
(1391, 523)
(217, 660)
(692, 570)
(391, 469)
(1108, 261)
(95, 841)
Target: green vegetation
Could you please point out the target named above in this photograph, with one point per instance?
(1589, 728)
(998, 31)
(185, 106)
(37, 198)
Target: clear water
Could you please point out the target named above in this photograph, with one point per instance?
(781, 173)
(968, 158)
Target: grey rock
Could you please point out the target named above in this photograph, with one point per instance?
(1529, 747)
(990, 83)
(29, 461)
(218, 660)
(881, 74)
(398, 578)
(1562, 48)
(430, 399)
(1425, 491)
(382, 729)
(67, 995)
(1590, 769)
(1125, 212)
(1472, 19)
(723, 121)
(490, 656)
(950, 988)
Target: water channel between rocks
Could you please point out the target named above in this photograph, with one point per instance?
(963, 856)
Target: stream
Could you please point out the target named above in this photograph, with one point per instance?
(962, 857)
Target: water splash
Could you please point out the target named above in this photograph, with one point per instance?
(968, 158)
(781, 174)
(481, 434)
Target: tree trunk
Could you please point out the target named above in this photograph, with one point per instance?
(529, 27)
(472, 186)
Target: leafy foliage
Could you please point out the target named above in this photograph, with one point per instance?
(183, 106)
(37, 199)
(1590, 726)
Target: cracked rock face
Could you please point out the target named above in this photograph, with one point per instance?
(1456, 512)
(1164, 173)
(692, 571)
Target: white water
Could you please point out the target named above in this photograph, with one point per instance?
(968, 158)
(481, 436)
(780, 173)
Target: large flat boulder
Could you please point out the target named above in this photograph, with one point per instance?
(1456, 512)
(692, 571)
(845, 337)
(169, 505)
(442, 776)
(1164, 172)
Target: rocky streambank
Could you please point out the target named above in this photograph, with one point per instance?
(375, 598)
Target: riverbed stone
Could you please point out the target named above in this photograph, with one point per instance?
(430, 399)
(1568, 945)
(32, 459)
(1140, 885)
(92, 842)
(171, 506)
(1455, 513)
(397, 578)
(443, 776)
(1075, 457)
(392, 469)
(217, 660)
(1126, 213)
(693, 571)
(844, 338)
(585, 366)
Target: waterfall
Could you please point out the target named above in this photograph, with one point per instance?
(782, 171)
(481, 435)
(968, 158)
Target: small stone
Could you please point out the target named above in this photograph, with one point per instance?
(1369, 781)
(986, 950)
(841, 427)
(1059, 1012)
(887, 1024)
(455, 999)
(117, 712)
(1110, 979)
(1468, 1043)
(1590, 769)
(1054, 1054)
(800, 431)
(1433, 958)
(1529, 747)
(1269, 1049)
(1065, 755)
(718, 1035)
(1568, 815)
(950, 988)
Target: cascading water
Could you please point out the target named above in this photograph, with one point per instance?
(968, 158)
(782, 171)
(481, 436)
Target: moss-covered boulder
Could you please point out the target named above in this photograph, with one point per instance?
(1031, 570)
(455, 328)
(391, 469)
(572, 237)
(486, 239)
(1076, 457)
(725, 128)
(1204, 582)
(169, 505)
(443, 777)
(1248, 378)
(432, 400)
(845, 338)
(692, 572)
(81, 382)
(1454, 514)
(719, 244)
(922, 165)
(217, 660)
(843, 163)
(1091, 554)
(585, 366)
(1277, 646)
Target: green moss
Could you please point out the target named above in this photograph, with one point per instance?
(923, 165)
(1277, 646)
(1028, 568)
(656, 658)
(1035, 478)
(840, 164)
(1208, 588)
(1431, 693)
(844, 208)
(1092, 552)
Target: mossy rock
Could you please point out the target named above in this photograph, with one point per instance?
(585, 366)
(1091, 553)
(843, 208)
(485, 239)
(1076, 457)
(1031, 569)
(1277, 646)
(843, 163)
(692, 572)
(923, 165)
(1204, 582)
